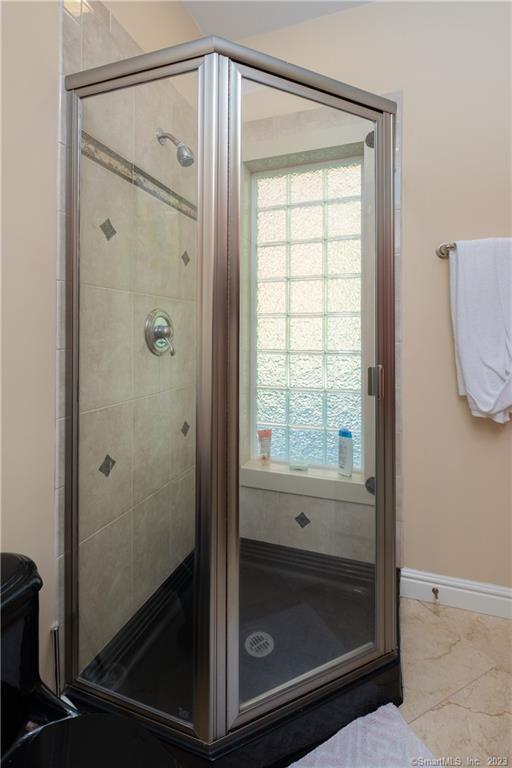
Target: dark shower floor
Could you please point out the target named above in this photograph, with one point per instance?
(298, 610)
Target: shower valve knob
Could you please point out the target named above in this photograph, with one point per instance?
(159, 333)
(164, 333)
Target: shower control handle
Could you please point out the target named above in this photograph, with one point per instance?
(164, 333)
(159, 333)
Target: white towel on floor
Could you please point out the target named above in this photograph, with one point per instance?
(481, 299)
(381, 739)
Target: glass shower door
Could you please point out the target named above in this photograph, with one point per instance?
(229, 541)
(308, 554)
(138, 266)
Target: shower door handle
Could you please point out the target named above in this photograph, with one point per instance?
(376, 381)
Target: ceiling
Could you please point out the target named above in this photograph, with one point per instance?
(236, 19)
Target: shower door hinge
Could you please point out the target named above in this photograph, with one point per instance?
(376, 381)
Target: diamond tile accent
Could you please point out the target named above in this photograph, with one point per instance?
(302, 520)
(108, 229)
(107, 465)
(185, 258)
(185, 428)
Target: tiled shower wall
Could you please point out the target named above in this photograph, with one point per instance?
(137, 411)
(326, 526)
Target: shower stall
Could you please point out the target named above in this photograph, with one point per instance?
(231, 251)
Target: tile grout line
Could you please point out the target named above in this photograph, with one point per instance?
(134, 399)
(133, 505)
(470, 682)
(419, 602)
(131, 292)
(454, 693)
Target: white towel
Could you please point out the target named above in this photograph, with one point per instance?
(381, 739)
(481, 298)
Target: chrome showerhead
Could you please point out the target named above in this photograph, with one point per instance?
(184, 154)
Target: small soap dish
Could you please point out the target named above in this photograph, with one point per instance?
(298, 465)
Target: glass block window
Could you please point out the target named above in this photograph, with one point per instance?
(307, 356)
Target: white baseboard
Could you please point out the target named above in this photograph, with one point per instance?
(457, 593)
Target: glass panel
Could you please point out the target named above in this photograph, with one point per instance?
(344, 181)
(271, 333)
(271, 226)
(271, 262)
(344, 218)
(344, 256)
(306, 296)
(271, 298)
(306, 333)
(271, 191)
(271, 370)
(344, 410)
(137, 422)
(344, 295)
(306, 371)
(307, 562)
(343, 372)
(306, 260)
(306, 186)
(307, 408)
(271, 406)
(306, 222)
(343, 334)
(307, 444)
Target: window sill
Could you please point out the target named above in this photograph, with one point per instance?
(322, 483)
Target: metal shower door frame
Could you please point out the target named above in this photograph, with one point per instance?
(339, 671)
(220, 66)
(208, 489)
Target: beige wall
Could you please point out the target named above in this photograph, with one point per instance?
(30, 89)
(451, 61)
(155, 24)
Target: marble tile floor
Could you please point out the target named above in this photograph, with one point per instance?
(457, 674)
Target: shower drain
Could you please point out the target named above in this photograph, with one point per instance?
(259, 644)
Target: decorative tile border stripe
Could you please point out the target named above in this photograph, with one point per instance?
(106, 157)
(154, 187)
(112, 161)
